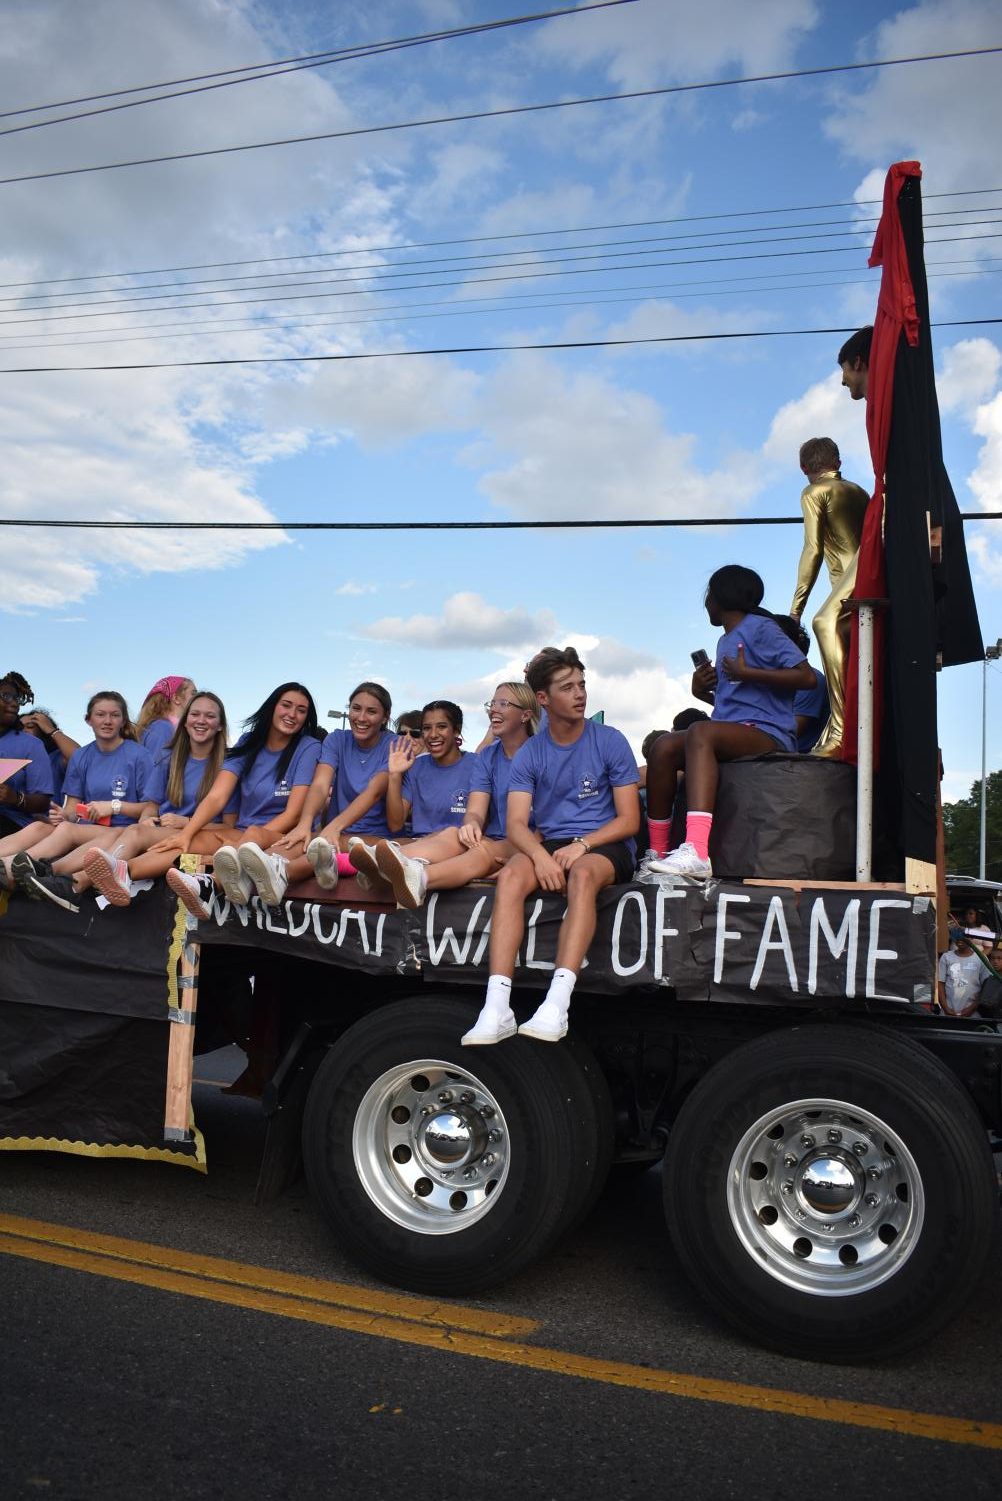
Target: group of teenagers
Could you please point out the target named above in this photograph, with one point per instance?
(548, 802)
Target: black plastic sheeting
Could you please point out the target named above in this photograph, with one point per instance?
(785, 817)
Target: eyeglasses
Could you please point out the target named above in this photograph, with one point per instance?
(414, 734)
(498, 705)
(9, 698)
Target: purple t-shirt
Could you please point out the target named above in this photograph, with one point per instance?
(97, 776)
(491, 774)
(263, 793)
(437, 794)
(768, 709)
(18, 745)
(156, 790)
(158, 735)
(354, 769)
(572, 785)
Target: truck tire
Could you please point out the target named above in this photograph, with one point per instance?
(830, 1191)
(441, 1168)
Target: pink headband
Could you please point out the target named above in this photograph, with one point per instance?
(167, 686)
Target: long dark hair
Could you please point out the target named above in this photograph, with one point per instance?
(180, 753)
(258, 727)
(736, 588)
(378, 692)
(452, 712)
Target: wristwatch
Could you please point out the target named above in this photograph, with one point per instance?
(116, 805)
(583, 842)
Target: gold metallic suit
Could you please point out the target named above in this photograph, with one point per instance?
(833, 523)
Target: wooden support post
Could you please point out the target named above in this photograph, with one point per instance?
(181, 1046)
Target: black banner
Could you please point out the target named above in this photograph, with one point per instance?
(721, 942)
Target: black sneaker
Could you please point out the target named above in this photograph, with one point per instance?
(25, 871)
(55, 889)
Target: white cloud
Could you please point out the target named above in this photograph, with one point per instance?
(673, 41)
(969, 375)
(562, 445)
(948, 115)
(352, 586)
(467, 620)
(825, 410)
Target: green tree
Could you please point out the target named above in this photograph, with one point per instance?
(962, 827)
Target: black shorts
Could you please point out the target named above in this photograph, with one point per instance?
(619, 855)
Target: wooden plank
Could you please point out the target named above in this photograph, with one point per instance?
(181, 1042)
(920, 877)
(806, 885)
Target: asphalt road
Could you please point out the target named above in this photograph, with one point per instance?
(129, 1373)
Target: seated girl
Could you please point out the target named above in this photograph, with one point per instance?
(161, 710)
(351, 775)
(182, 777)
(271, 769)
(757, 672)
(58, 746)
(477, 848)
(105, 785)
(25, 794)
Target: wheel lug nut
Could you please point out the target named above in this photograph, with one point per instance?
(494, 1135)
(790, 1160)
(486, 1112)
(488, 1159)
(872, 1200)
(873, 1173)
(807, 1141)
(834, 1137)
(466, 1098)
(854, 1220)
(786, 1188)
(445, 1097)
(859, 1147)
(469, 1172)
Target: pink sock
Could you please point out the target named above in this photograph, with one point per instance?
(697, 832)
(344, 866)
(659, 833)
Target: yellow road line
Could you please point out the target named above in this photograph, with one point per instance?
(441, 1327)
(264, 1279)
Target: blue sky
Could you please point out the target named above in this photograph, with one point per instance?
(691, 429)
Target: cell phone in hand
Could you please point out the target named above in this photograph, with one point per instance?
(699, 658)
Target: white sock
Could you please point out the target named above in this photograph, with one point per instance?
(498, 998)
(561, 985)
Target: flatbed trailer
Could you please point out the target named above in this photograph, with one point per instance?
(829, 1183)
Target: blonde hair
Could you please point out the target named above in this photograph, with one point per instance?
(522, 694)
(157, 705)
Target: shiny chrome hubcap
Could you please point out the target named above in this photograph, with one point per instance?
(825, 1197)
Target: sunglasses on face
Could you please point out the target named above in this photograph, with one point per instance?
(414, 734)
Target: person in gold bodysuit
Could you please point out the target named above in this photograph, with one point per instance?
(833, 511)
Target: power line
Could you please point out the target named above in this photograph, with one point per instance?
(508, 274)
(430, 526)
(142, 333)
(845, 229)
(397, 354)
(495, 114)
(526, 234)
(252, 72)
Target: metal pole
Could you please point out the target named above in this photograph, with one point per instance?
(984, 766)
(864, 747)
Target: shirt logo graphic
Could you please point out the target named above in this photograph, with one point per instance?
(587, 788)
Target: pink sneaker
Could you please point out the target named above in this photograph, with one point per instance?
(110, 877)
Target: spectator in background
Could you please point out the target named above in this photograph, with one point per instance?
(162, 708)
(961, 976)
(811, 707)
(57, 744)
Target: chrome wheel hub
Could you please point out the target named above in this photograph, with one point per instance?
(825, 1197)
(430, 1145)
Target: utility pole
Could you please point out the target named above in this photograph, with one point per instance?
(992, 654)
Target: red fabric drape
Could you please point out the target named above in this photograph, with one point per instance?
(896, 315)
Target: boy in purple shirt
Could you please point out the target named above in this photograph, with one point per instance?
(578, 780)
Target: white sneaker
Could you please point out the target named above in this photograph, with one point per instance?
(548, 1024)
(490, 1026)
(193, 891)
(226, 869)
(684, 864)
(323, 857)
(109, 876)
(269, 873)
(409, 878)
(363, 857)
